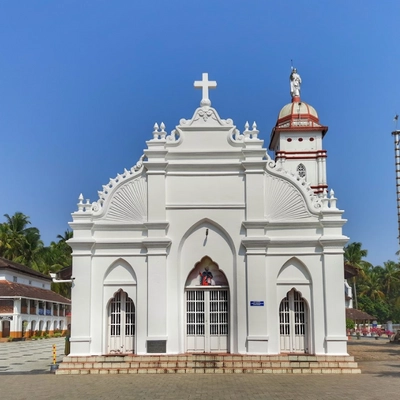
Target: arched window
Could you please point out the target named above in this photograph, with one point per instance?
(301, 170)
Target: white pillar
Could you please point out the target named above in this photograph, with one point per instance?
(81, 306)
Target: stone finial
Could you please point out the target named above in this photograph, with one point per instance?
(81, 206)
(247, 131)
(205, 84)
(254, 132)
(332, 200)
(162, 133)
(155, 131)
(325, 200)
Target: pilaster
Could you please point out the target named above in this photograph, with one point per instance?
(257, 337)
(157, 312)
(81, 297)
(332, 242)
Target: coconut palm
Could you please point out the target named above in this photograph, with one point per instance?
(18, 241)
(390, 277)
(353, 255)
(371, 287)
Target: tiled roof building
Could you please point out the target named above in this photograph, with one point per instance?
(27, 303)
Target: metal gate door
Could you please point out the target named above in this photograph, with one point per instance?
(207, 320)
(121, 324)
(293, 323)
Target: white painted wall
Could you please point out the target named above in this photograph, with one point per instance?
(267, 232)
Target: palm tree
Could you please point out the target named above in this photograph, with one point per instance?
(372, 286)
(19, 242)
(67, 235)
(353, 255)
(390, 277)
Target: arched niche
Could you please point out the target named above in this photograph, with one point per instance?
(120, 277)
(206, 273)
(120, 272)
(294, 272)
(206, 237)
(294, 275)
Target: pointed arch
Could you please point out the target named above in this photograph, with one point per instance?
(218, 245)
(206, 272)
(294, 271)
(119, 301)
(120, 272)
(207, 223)
(294, 323)
(121, 323)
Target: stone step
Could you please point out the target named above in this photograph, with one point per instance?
(208, 371)
(196, 357)
(207, 363)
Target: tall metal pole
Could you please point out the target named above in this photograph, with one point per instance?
(397, 162)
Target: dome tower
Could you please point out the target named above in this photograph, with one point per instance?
(297, 137)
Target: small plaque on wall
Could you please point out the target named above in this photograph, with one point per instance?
(156, 346)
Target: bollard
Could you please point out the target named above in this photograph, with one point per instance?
(54, 366)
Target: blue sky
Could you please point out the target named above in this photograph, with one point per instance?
(83, 82)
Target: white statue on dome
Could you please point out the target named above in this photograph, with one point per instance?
(295, 82)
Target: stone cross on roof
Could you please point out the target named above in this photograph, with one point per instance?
(205, 84)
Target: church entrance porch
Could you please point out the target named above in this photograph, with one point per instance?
(207, 320)
(121, 324)
(293, 324)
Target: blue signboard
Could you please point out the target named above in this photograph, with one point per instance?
(256, 303)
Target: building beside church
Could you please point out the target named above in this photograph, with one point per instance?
(209, 245)
(28, 306)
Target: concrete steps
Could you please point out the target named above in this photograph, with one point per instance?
(208, 364)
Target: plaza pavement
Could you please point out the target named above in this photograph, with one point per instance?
(24, 366)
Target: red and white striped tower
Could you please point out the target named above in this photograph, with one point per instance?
(396, 135)
(297, 137)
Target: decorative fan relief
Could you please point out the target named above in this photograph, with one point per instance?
(129, 202)
(284, 202)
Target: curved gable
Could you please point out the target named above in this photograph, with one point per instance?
(123, 199)
(283, 201)
(288, 197)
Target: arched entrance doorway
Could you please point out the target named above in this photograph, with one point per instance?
(121, 324)
(293, 318)
(207, 309)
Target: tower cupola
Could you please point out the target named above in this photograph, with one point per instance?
(297, 137)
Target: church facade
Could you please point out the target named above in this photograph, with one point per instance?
(207, 245)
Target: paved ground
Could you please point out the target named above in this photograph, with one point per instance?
(30, 356)
(379, 360)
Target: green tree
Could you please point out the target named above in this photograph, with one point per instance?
(390, 278)
(19, 241)
(353, 255)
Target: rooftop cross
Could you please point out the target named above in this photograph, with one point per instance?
(205, 84)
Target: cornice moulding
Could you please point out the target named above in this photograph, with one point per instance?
(115, 226)
(157, 243)
(203, 206)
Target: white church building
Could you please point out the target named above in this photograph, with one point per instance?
(208, 245)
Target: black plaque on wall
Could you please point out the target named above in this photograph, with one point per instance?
(156, 346)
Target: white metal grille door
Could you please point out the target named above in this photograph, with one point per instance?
(207, 320)
(293, 323)
(121, 328)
